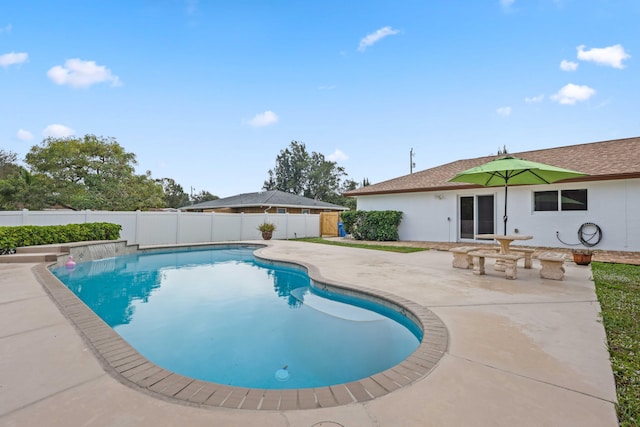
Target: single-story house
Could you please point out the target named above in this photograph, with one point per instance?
(272, 202)
(602, 208)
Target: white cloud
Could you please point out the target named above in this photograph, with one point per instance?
(373, 38)
(58, 131)
(568, 65)
(611, 56)
(264, 119)
(24, 135)
(79, 73)
(504, 111)
(570, 94)
(534, 99)
(13, 58)
(337, 156)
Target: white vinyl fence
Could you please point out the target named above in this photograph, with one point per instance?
(160, 228)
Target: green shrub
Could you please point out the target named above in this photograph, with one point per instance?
(378, 226)
(348, 219)
(31, 235)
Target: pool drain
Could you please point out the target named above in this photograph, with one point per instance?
(282, 374)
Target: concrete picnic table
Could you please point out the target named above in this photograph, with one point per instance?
(504, 240)
(505, 243)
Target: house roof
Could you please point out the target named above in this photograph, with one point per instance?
(616, 159)
(265, 199)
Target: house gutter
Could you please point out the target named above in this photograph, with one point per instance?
(588, 178)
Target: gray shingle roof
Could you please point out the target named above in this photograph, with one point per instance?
(616, 159)
(265, 199)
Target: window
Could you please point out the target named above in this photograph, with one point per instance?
(545, 201)
(573, 200)
(282, 210)
(567, 200)
(306, 211)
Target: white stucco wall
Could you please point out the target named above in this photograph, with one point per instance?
(433, 216)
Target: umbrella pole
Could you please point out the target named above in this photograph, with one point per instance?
(506, 186)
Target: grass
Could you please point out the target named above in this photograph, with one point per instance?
(388, 248)
(618, 291)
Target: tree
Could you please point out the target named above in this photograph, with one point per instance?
(23, 190)
(92, 173)
(203, 196)
(8, 164)
(304, 174)
(174, 195)
(18, 187)
(290, 173)
(323, 178)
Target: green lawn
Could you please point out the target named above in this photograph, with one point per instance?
(389, 248)
(618, 290)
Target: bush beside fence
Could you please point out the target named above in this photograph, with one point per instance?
(32, 235)
(166, 228)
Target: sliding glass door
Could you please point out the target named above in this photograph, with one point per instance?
(477, 216)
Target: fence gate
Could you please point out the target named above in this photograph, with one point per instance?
(329, 224)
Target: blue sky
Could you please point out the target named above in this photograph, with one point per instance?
(209, 92)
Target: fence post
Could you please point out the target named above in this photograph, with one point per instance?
(137, 228)
(25, 214)
(241, 225)
(213, 226)
(286, 226)
(177, 227)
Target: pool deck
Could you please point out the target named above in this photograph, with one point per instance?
(525, 352)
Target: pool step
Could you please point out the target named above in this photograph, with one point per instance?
(43, 253)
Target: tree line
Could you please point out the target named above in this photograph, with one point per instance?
(97, 173)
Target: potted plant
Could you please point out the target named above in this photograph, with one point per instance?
(267, 229)
(582, 256)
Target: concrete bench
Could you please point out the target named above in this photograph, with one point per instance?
(460, 257)
(551, 265)
(510, 262)
(527, 252)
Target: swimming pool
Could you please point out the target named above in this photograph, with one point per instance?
(222, 315)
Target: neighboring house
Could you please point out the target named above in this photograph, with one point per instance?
(441, 211)
(272, 202)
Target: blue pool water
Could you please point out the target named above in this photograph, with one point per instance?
(222, 315)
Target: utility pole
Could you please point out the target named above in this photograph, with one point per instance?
(411, 162)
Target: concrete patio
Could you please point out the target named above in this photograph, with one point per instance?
(525, 352)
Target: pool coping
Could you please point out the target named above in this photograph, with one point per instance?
(125, 364)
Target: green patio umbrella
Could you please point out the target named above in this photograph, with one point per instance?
(513, 171)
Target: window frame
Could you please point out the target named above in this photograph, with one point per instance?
(558, 205)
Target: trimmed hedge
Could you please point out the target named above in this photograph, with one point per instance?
(377, 226)
(31, 235)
